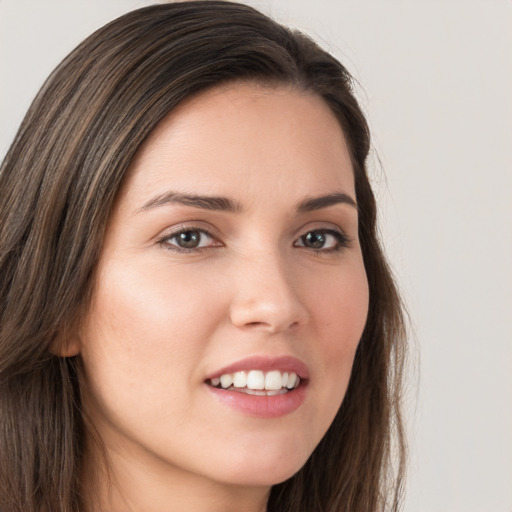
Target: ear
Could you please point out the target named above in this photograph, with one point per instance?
(67, 343)
(68, 348)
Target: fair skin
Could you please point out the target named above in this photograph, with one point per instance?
(186, 288)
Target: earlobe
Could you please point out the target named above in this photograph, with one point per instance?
(68, 340)
(67, 345)
(68, 349)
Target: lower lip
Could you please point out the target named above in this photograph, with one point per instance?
(262, 406)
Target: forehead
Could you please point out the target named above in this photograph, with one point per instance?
(247, 137)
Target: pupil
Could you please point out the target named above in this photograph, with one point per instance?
(314, 240)
(189, 239)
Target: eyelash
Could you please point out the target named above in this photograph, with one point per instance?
(343, 241)
(164, 240)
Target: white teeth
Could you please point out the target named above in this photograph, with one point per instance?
(240, 379)
(273, 381)
(226, 380)
(276, 392)
(257, 392)
(292, 380)
(256, 382)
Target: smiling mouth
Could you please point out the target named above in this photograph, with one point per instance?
(257, 382)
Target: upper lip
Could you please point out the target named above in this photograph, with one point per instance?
(265, 364)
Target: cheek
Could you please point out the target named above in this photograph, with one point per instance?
(145, 335)
(145, 305)
(146, 328)
(341, 312)
(340, 318)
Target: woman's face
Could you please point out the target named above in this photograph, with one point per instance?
(232, 254)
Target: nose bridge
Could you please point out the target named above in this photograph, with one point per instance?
(266, 295)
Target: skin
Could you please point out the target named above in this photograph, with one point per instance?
(162, 320)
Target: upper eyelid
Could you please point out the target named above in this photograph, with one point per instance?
(182, 228)
(320, 226)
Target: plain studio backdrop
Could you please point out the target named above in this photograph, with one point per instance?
(436, 83)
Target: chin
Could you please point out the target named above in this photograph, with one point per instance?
(263, 469)
(258, 478)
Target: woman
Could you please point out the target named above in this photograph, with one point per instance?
(196, 313)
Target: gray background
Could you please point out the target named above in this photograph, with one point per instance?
(437, 78)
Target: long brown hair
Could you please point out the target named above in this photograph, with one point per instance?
(58, 183)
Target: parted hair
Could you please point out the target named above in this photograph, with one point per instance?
(58, 183)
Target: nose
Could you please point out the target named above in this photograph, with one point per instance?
(266, 296)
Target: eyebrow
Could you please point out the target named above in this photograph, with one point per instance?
(216, 203)
(317, 203)
(204, 202)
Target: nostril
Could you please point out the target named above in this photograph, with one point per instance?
(270, 327)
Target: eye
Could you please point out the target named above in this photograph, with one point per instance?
(323, 240)
(189, 239)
